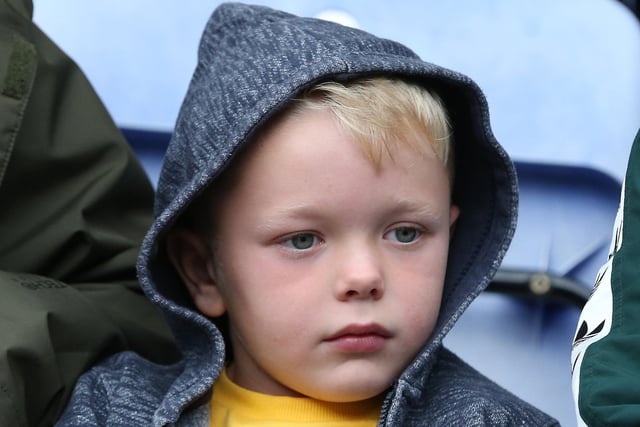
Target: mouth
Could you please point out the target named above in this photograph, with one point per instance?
(359, 338)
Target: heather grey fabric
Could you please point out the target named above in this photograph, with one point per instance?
(252, 60)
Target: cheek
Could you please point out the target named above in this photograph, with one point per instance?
(419, 315)
(266, 293)
(422, 306)
(419, 288)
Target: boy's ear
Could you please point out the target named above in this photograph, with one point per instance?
(193, 260)
(454, 213)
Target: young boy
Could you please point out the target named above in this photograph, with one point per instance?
(314, 239)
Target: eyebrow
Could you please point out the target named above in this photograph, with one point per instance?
(413, 206)
(281, 215)
(278, 216)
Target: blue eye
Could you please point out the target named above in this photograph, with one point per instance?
(302, 241)
(404, 234)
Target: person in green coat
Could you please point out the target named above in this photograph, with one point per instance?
(74, 206)
(606, 349)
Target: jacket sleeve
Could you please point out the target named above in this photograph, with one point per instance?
(128, 390)
(606, 365)
(74, 206)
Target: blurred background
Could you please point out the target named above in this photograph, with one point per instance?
(561, 79)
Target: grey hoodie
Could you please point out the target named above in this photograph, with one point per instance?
(253, 60)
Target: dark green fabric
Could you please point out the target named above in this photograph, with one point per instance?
(19, 76)
(610, 376)
(74, 206)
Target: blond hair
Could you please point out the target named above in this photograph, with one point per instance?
(380, 113)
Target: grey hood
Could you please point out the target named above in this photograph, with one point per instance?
(252, 60)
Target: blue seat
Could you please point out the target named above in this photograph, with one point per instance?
(520, 332)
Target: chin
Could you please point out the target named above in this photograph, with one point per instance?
(351, 393)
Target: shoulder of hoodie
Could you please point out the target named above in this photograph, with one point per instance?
(459, 394)
(120, 386)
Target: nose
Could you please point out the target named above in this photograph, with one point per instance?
(360, 276)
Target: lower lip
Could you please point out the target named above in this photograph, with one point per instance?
(358, 343)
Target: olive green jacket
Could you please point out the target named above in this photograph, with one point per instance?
(74, 206)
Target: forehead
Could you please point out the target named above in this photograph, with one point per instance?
(308, 152)
(376, 142)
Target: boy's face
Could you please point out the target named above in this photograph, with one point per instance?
(331, 271)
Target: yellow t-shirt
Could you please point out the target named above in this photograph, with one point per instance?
(232, 405)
